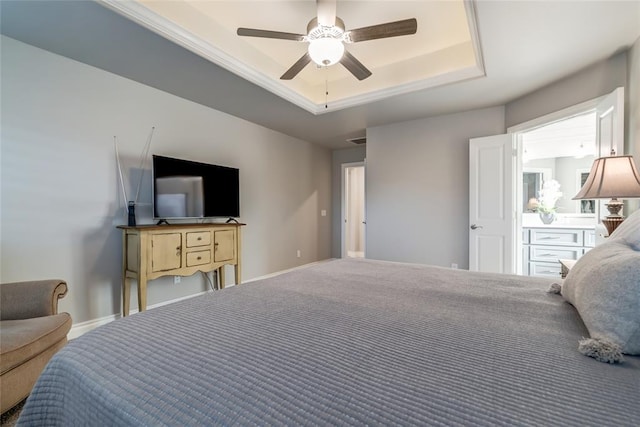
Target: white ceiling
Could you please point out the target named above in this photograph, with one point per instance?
(574, 137)
(524, 46)
(444, 50)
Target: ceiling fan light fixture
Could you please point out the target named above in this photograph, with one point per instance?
(326, 51)
(326, 42)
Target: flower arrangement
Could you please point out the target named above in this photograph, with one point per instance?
(548, 196)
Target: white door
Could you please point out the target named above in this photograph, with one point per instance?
(610, 124)
(491, 204)
(353, 210)
(609, 136)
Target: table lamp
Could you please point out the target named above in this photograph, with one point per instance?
(611, 177)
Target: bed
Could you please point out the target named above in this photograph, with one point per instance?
(343, 342)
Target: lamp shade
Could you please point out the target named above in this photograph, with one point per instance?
(611, 177)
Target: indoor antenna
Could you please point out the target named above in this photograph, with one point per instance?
(143, 157)
(130, 205)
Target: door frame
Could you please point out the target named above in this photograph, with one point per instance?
(517, 131)
(547, 119)
(343, 204)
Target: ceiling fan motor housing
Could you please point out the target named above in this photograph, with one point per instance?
(315, 30)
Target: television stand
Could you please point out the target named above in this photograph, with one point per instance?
(153, 251)
(162, 221)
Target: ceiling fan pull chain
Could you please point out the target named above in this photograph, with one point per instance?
(326, 87)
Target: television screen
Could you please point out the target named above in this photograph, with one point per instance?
(187, 189)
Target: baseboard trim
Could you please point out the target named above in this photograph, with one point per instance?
(277, 273)
(82, 328)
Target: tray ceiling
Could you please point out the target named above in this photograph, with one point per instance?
(444, 50)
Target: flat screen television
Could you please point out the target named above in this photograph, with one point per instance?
(185, 189)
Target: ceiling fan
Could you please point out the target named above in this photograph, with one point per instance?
(326, 36)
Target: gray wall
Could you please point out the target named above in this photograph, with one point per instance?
(60, 197)
(418, 187)
(566, 174)
(60, 192)
(340, 157)
(592, 82)
(417, 172)
(622, 69)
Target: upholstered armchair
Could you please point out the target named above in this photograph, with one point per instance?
(31, 332)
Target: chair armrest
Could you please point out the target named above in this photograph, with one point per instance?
(25, 300)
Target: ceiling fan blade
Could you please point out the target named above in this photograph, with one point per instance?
(354, 66)
(297, 67)
(381, 31)
(326, 12)
(252, 32)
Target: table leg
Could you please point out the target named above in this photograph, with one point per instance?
(237, 271)
(142, 294)
(126, 295)
(221, 277)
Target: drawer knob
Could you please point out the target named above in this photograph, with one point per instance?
(199, 258)
(199, 238)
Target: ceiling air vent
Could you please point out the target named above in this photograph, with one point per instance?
(358, 141)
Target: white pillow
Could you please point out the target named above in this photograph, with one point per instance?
(604, 286)
(629, 231)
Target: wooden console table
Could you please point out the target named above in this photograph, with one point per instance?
(152, 251)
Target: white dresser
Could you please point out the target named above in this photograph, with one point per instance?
(543, 247)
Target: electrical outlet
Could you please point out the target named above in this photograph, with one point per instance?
(323, 212)
(454, 265)
(176, 280)
(298, 253)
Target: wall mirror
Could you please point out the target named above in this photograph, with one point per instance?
(562, 151)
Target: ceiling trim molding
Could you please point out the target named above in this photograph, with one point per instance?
(155, 22)
(472, 20)
(149, 19)
(439, 80)
(556, 116)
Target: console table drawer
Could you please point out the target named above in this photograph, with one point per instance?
(556, 237)
(553, 254)
(199, 238)
(198, 258)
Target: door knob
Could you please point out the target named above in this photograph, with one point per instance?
(475, 227)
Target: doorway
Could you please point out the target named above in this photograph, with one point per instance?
(497, 242)
(556, 159)
(353, 210)
(555, 154)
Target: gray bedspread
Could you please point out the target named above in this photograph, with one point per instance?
(346, 342)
